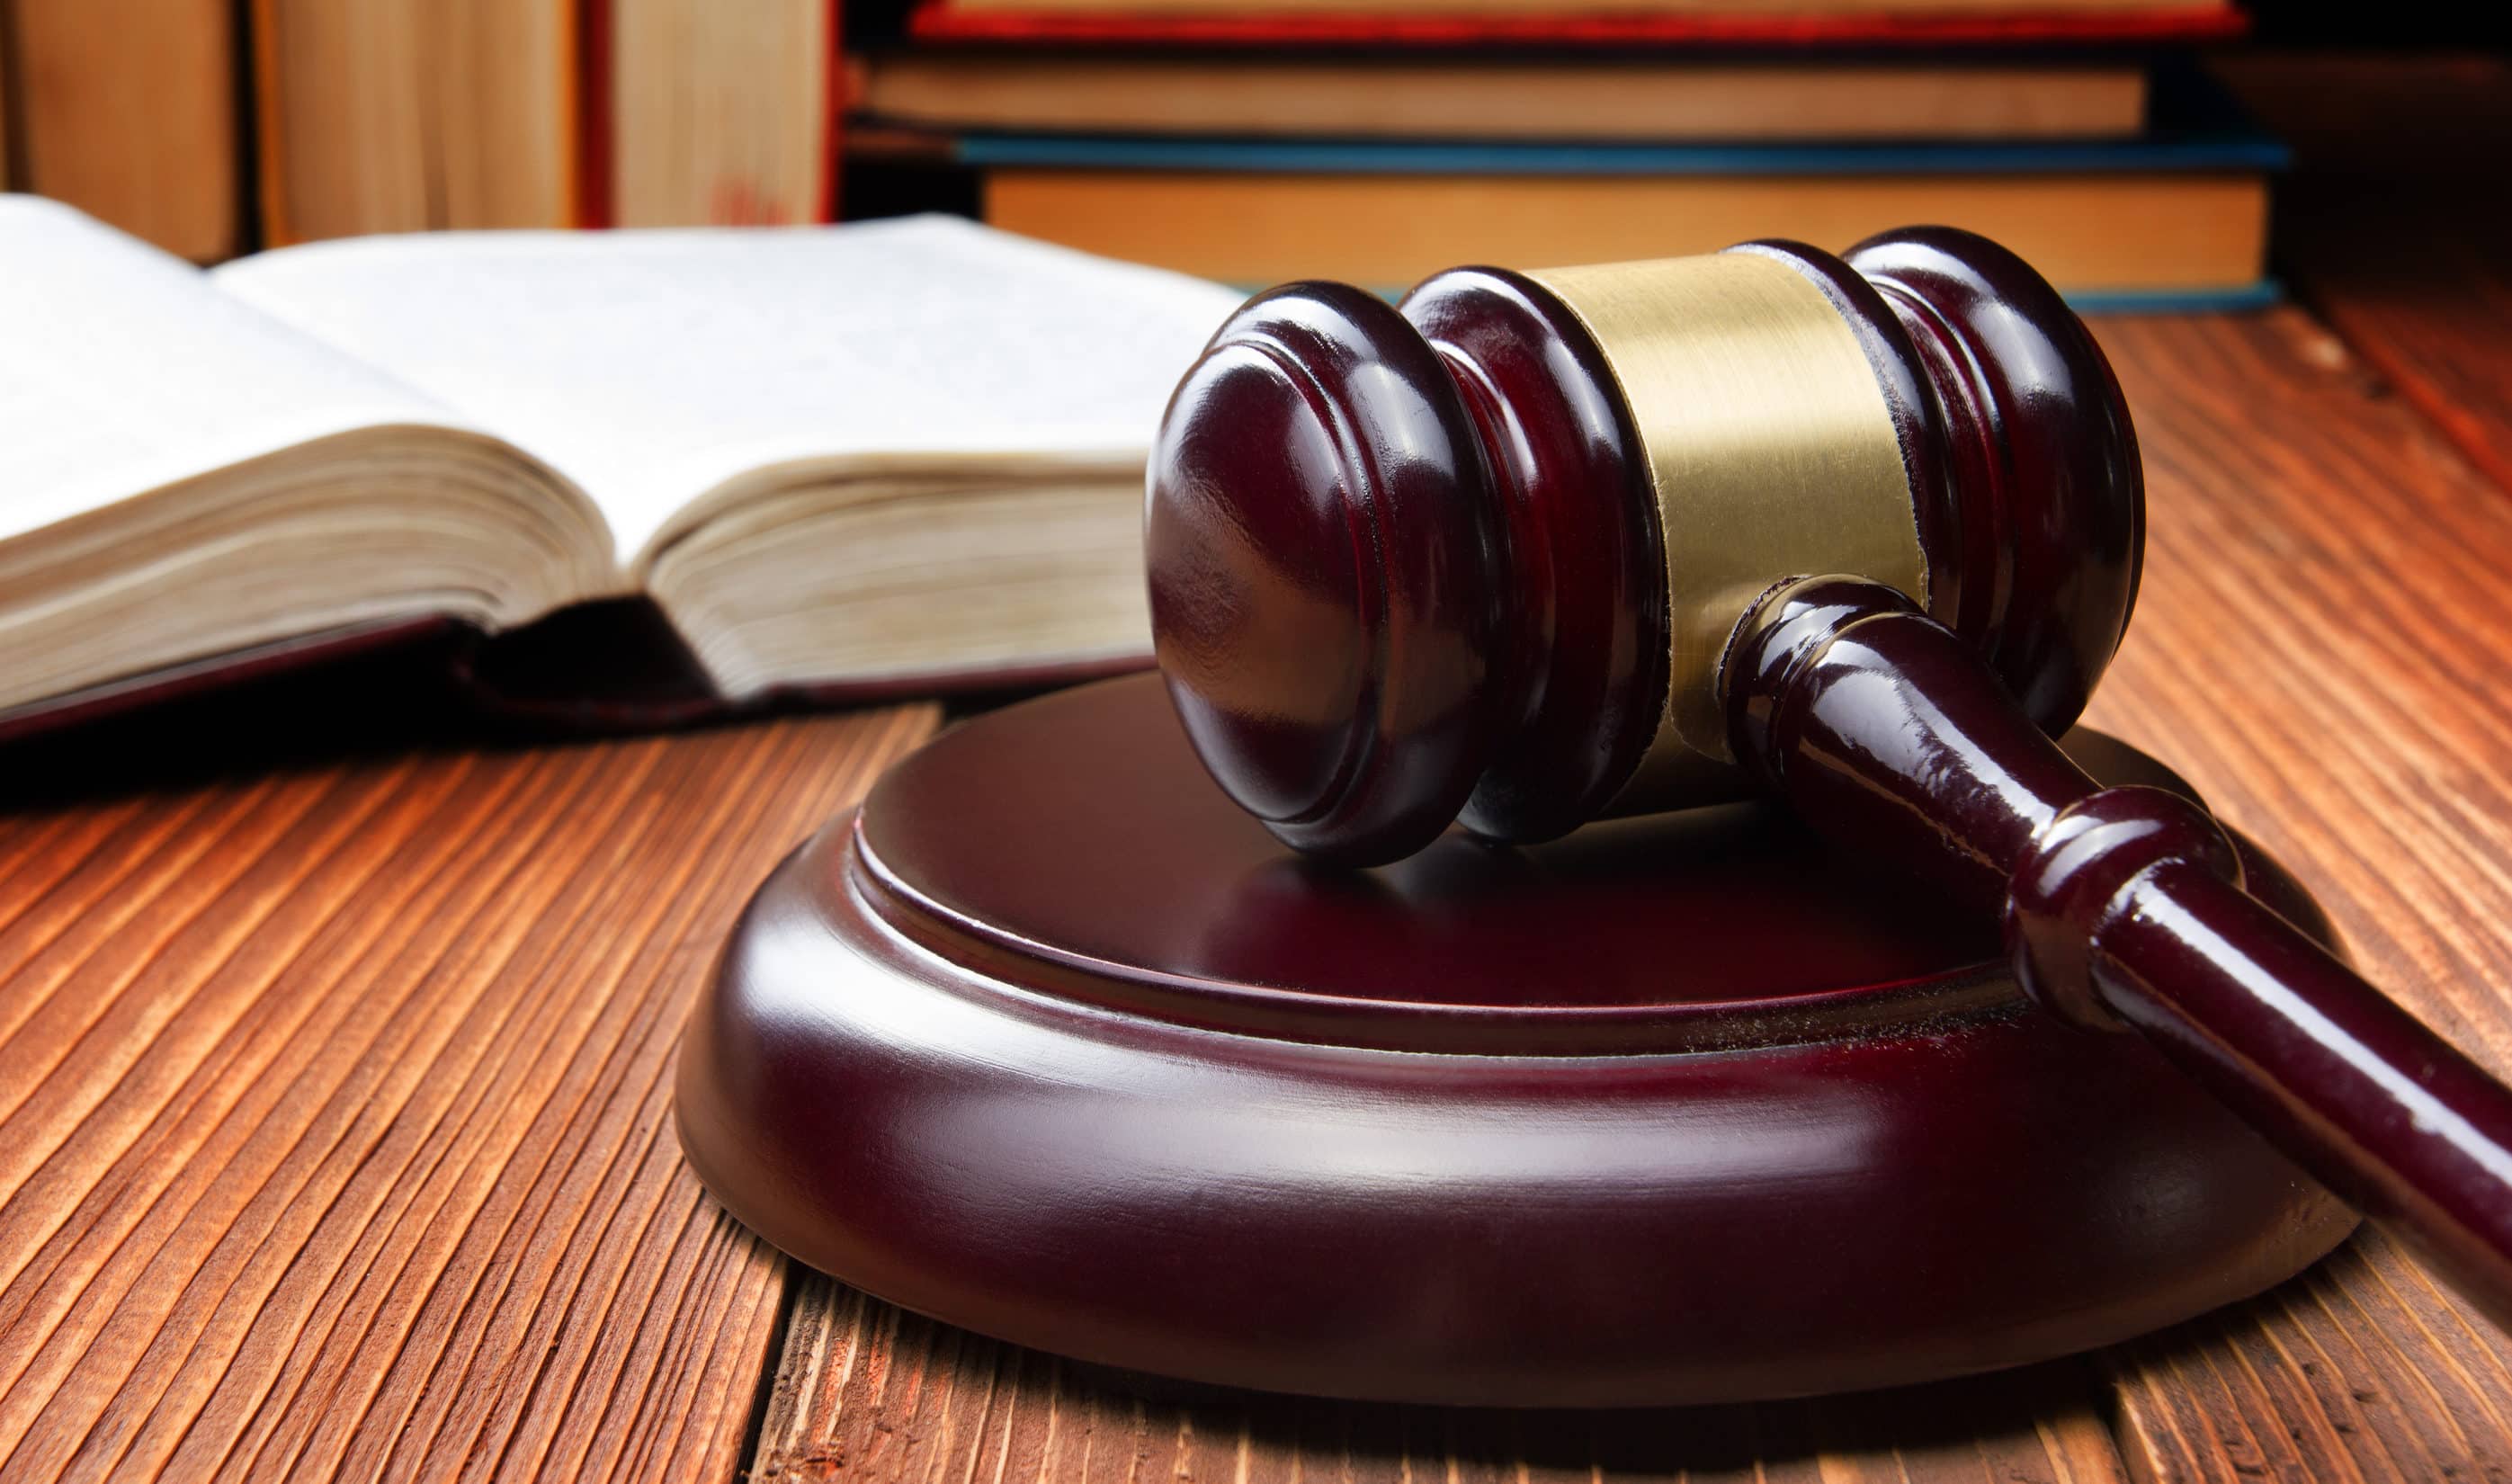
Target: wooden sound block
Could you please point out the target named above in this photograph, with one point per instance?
(1052, 1040)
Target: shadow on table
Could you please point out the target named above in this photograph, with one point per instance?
(871, 1392)
(433, 691)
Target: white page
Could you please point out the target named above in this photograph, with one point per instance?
(652, 366)
(122, 369)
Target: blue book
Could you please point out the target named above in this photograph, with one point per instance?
(2240, 149)
(2198, 176)
(2195, 126)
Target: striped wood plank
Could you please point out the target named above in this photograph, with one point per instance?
(867, 1392)
(334, 1113)
(2320, 646)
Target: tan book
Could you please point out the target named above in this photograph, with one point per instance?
(1495, 100)
(720, 114)
(125, 109)
(824, 458)
(2092, 232)
(413, 115)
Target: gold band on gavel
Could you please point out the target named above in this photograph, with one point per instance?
(1772, 455)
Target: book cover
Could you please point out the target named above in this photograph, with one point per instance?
(2174, 219)
(135, 124)
(2196, 127)
(940, 20)
(2236, 151)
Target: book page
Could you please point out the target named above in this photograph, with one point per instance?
(123, 371)
(651, 367)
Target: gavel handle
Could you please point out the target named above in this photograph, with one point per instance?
(2123, 909)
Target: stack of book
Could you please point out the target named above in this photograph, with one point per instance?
(207, 126)
(1243, 140)
(1379, 140)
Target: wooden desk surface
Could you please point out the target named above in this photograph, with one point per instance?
(334, 1124)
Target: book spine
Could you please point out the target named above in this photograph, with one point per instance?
(942, 21)
(2194, 153)
(142, 131)
(595, 112)
(269, 128)
(833, 94)
(13, 167)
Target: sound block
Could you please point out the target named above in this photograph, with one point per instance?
(1050, 1040)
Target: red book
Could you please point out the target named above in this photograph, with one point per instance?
(945, 21)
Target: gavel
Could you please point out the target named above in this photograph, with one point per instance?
(1860, 532)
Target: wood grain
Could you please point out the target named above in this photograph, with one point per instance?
(332, 1099)
(333, 1113)
(866, 1391)
(2319, 647)
(2394, 226)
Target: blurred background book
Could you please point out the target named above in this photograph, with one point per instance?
(132, 109)
(1233, 139)
(1247, 140)
(1240, 141)
(211, 127)
(1378, 140)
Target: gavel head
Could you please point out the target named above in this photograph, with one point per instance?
(1478, 556)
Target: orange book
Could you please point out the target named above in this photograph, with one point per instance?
(127, 111)
(411, 115)
(707, 113)
(2178, 210)
(2199, 233)
(1482, 97)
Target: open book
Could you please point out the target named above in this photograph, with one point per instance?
(905, 452)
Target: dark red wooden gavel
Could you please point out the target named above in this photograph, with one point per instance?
(1534, 548)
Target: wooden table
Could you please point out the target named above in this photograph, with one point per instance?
(334, 1115)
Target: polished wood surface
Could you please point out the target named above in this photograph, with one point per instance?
(335, 1112)
(1450, 560)
(1052, 1041)
(869, 1392)
(2318, 647)
(2125, 907)
(1353, 596)
(2294, 496)
(2289, 486)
